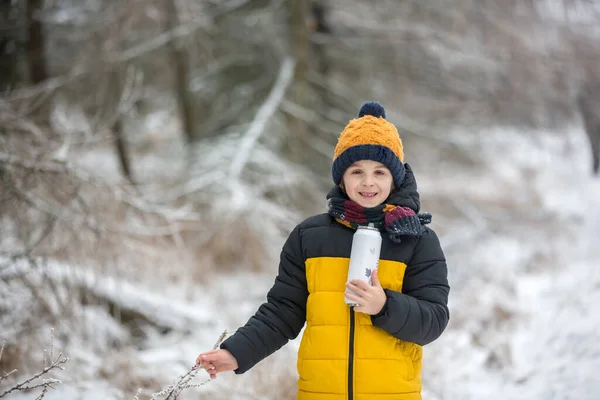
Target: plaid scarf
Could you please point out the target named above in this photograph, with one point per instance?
(397, 221)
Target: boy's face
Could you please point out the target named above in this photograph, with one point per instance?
(367, 183)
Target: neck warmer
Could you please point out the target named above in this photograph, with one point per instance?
(396, 220)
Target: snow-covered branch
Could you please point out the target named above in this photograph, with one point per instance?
(48, 85)
(174, 390)
(29, 383)
(62, 212)
(266, 111)
(180, 31)
(132, 300)
(54, 167)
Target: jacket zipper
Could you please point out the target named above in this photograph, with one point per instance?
(351, 357)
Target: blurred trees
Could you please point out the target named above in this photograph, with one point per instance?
(36, 41)
(92, 73)
(173, 137)
(11, 44)
(181, 75)
(78, 76)
(22, 43)
(215, 56)
(588, 101)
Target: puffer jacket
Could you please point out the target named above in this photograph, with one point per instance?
(346, 355)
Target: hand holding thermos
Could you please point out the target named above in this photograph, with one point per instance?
(369, 299)
(364, 292)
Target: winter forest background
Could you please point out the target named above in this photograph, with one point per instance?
(154, 154)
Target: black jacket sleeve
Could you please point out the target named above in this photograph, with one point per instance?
(420, 313)
(278, 320)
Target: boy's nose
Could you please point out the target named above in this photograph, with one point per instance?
(368, 181)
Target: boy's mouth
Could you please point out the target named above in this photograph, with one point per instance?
(368, 194)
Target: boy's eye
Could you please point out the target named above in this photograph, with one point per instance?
(380, 172)
(356, 171)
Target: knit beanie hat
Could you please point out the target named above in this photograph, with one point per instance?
(369, 137)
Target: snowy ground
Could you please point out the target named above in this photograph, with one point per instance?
(525, 289)
(523, 252)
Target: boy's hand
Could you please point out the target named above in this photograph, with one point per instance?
(370, 299)
(216, 361)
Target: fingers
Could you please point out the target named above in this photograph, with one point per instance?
(357, 292)
(359, 308)
(211, 370)
(352, 297)
(211, 353)
(216, 361)
(209, 367)
(358, 286)
(375, 278)
(206, 360)
(212, 360)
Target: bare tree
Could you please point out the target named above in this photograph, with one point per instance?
(297, 139)
(118, 83)
(181, 74)
(301, 47)
(589, 106)
(320, 28)
(39, 380)
(36, 42)
(121, 147)
(10, 44)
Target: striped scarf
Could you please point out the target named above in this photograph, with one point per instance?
(397, 221)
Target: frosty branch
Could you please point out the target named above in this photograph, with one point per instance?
(180, 31)
(267, 109)
(175, 389)
(78, 178)
(30, 384)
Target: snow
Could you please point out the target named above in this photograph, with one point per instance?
(541, 276)
(162, 310)
(523, 260)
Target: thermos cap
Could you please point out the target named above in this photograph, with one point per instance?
(371, 227)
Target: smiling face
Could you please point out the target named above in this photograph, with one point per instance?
(367, 183)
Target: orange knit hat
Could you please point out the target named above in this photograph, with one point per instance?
(369, 137)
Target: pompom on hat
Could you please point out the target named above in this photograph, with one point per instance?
(369, 137)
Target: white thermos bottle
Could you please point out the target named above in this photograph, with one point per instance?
(364, 256)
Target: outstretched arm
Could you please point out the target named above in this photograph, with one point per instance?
(278, 320)
(420, 313)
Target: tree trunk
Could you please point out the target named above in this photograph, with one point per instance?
(321, 34)
(121, 148)
(36, 42)
(589, 104)
(10, 45)
(181, 75)
(116, 82)
(320, 30)
(301, 47)
(296, 147)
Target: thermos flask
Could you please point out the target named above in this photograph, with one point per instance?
(364, 256)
